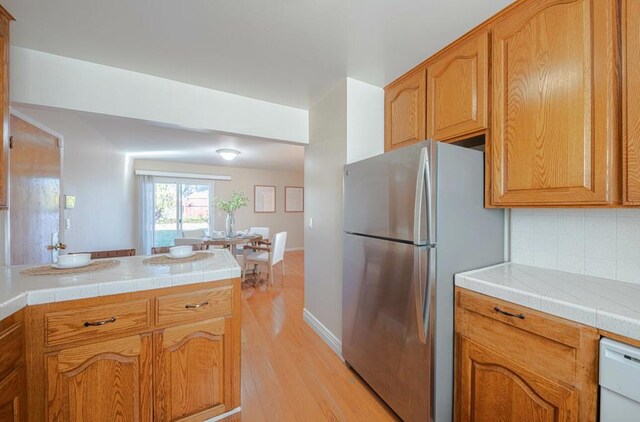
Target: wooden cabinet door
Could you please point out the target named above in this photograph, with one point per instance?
(13, 396)
(193, 371)
(554, 126)
(108, 381)
(4, 107)
(457, 90)
(492, 388)
(404, 111)
(631, 100)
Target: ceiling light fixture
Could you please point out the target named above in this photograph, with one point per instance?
(228, 154)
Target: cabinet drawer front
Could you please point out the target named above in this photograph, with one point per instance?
(193, 306)
(83, 324)
(565, 332)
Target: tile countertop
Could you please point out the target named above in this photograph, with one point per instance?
(18, 290)
(605, 304)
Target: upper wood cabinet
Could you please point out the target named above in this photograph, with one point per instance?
(404, 110)
(516, 364)
(5, 19)
(631, 100)
(105, 381)
(457, 90)
(554, 118)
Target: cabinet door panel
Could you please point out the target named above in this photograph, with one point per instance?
(494, 388)
(457, 89)
(631, 100)
(13, 400)
(554, 104)
(192, 372)
(101, 382)
(404, 104)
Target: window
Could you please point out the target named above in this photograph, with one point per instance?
(180, 205)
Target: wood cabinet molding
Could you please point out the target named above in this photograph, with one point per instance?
(457, 90)
(554, 113)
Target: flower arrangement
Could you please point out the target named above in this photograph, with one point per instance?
(238, 200)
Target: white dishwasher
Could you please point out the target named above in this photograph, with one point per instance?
(619, 382)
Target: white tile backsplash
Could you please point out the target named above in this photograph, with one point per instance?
(596, 242)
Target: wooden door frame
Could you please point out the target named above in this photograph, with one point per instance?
(5, 245)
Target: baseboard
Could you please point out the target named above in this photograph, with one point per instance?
(325, 334)
(224, 415)
(294, 249)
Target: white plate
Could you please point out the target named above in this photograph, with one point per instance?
(181, 257)
(69, 266)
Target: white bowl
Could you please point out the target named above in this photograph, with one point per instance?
(181, 251)
(74, 260)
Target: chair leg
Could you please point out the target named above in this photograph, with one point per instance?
(244, 271)
(270, 274)
(283, 274)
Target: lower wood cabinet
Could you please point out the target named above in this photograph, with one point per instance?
(13, 386)
(106, 381)
(133, 365)
(517, 364)
(199, 388)
(13, 396)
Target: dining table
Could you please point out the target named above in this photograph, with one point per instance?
(231, 242)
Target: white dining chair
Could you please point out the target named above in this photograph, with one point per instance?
(269, 255)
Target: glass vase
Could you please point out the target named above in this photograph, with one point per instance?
(231, 225)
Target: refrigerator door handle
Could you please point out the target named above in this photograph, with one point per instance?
(423, 193)
(423, 279)
(419, 294)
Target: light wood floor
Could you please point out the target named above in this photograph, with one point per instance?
(288, 372)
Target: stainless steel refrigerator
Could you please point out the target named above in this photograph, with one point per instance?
(412, 219)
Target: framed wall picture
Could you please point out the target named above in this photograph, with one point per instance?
(293, 199)
(264, 198)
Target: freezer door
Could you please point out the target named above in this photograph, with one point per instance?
(385, 338)
(388, 196)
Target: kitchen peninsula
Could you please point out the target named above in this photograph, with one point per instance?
(153, 342)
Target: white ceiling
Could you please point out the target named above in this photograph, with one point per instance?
(148, 140)
(284, 51)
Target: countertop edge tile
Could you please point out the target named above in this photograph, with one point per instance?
(546, 290)
(13, 305)
(121, 279)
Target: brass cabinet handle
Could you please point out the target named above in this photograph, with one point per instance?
(497, 309)
(98, 323)
(196, 306)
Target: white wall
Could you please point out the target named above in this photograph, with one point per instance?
(40, 78)
(244, 179)
(596, 242)
(324, 158)
(365, 120)
(101, 180)
(346, 125)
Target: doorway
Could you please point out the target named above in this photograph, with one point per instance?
(34, 201)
